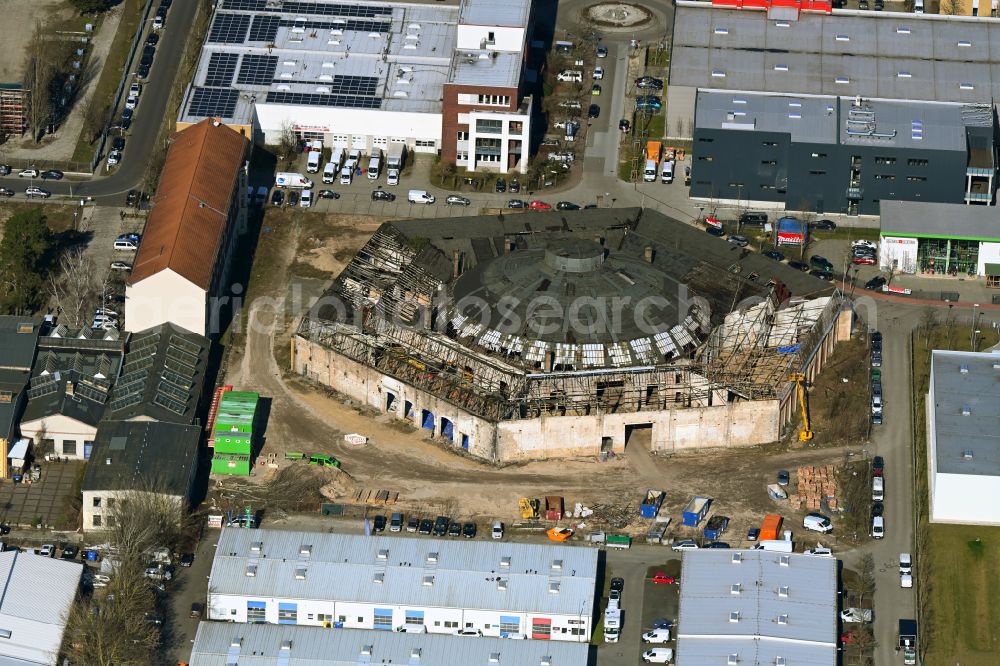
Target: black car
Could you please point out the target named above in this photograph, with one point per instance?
(567, 205)
(624, 125)
(822, 275)
(618, 584)
(378, 524)
(594, 111)
(501, 186)
(293, 198)
(277, 197)
(153, 39)
(426, 526)
(517, 203)
(589, 206)
(756, 219)
(717, 544)
(820, 263)
(52, 174)
(469, 530)
(70, 553)
(824, 225)
(878, 508)
(774, 254)
(649, 82)
(783, 477)
(117, 143)
(441, 524)
(142, 71)
(6, 192)
(148, 53)
(455, 530)
(878, 466)
(383, 195)
(187, 559)
(412, 524)
(804, 267)
(876, 283)
(328, 194)
(715, 231)
(5, 169)
(127, 115)
(514, 187)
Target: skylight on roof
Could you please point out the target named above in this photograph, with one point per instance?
(966, 86)
(781, 68)
(843, 38)
(722, 31)
(843, 80)
(718, 74)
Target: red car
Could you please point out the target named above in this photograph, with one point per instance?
(664, 579)
(538, 204)
(864, 259)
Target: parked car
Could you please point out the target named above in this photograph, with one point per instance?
(656, 636)
(820, 263)
(517, 203)
(878, 508)
(854, 615)
(196, 610)
(455, 530)
(817, 522)
(878, 527)
(70, 553)
(383, 195)
(624, 125)
(593, 111)
(378, 523)
(878, 466)
(618, 584)
(715, 231)
(821, 275)
(5, 170)
(33, 192)
(457, 200)
(864, 260)
(118, 143)
(717, 544)
(497, 530)
(135, 89)
(28, 173)
(602, 51)
(819, 551)
(328, 194)
(293, 199)
(664, 579)
(774, 254)
(121, 266)
(595, 90)
(684, 544)
(187, 559)
(739, 241)
(131, 102)
(538, 204)
(412, 524)
(6, 192)
(649, 82)
(501, 186)
(426, 526)
(47, 550)
(277, 197)
(823, 225)
(52, 174)
(598, 73)
(567, 205)
(153, 39)
(142, 71)
(659, 655)
(469, 530)
(876, 283)
(441, 526)
(799, 265)
(783, 477)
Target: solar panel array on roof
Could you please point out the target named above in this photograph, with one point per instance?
(325, 9)
(229, 29)
(311, 99)
(209, 102)
(247, 5)
(351, 24)
(263, 28)
(221, 67)
(257, 70)
(364, 86)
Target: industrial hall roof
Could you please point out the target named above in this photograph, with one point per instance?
(36, 594)
(191, 209)
(759, 605)
(430, 573)
(882, 54)
(143, 455)
(18, 336)
(223, 643)
(922, 219)
(966, 394)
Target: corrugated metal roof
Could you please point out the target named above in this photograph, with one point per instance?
(867, 49)
(464, 574)
(976, 390)
(186, 226)
(261, 645)
(784, 605)
(36, 596)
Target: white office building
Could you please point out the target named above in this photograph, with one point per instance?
(219, 644)
(398, 583)
(963, 453)
(757, 608)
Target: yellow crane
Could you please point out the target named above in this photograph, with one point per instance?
(806, 433)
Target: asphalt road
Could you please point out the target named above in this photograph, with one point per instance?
(146, 122)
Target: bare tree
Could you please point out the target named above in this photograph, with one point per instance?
(144, 518)
(950, 7)
(39, 73)
(95, 116)
(75, 285)
(287, 140)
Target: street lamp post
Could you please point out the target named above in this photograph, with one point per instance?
(972, 334)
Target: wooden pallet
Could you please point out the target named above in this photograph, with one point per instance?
(370, 496)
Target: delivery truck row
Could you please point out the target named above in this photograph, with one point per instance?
(347, 163)
(658, 163)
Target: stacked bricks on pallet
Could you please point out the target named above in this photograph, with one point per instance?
(234, 432)
(814, 485)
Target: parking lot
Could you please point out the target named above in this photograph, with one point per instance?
(42, 502)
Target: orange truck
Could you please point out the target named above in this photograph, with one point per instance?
(653, 150)
(770, 528)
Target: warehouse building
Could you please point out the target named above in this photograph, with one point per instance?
(396, 583)
(181, 271)
(218, 644)
(35, 602)
(437, 78)
(940, 239)
(963, 406)
(570, 335)
(18, 339)
(840, 154)
(757, 607)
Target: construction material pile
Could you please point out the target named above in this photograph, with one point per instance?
(814, 485)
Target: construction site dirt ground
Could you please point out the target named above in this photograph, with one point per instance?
(294, 250)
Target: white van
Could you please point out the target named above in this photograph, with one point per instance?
(313, 160)
(817, 522)
(774, 545)
(878, 527)
(420, 196)
(918, 6)
(329, 172)
(497, 529)
(306, 199)
(346, 175)
(667, 171)
(374, 167)
(123, 244)
(649, 171)
(878, 488)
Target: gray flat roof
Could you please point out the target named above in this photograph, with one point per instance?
(487, 68)
(464, 571)
(143, 454)
(509, 13)
(785, 605)
(260, 645)
(978, 391)
(18, 335)
(873, 54)
(808, 118)
(939, 220)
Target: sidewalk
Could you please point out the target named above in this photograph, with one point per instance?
(62, 144)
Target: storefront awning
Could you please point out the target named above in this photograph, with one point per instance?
(993, 269)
